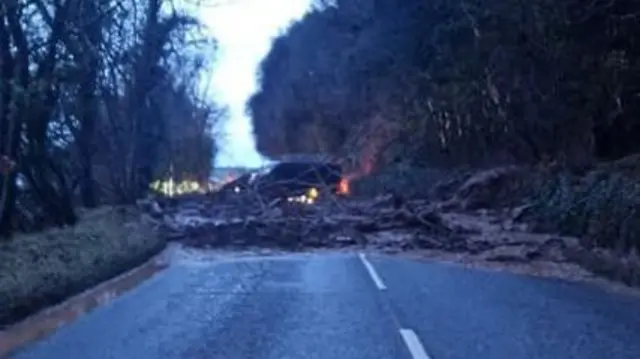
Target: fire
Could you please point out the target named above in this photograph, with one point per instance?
(362, 168)
(343, 186)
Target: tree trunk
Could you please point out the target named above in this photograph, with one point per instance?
(7, 204)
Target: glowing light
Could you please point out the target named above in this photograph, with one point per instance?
(304, 199)
(171, 187)
(313, 193)
(343, 186)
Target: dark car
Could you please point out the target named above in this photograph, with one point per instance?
(303, 180)
(237, 185)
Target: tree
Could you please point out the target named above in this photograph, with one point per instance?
(83, 102)
(456, 82)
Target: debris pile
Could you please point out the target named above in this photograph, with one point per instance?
(390, 223)
(470, 217)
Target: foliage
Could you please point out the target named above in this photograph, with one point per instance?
(601, 208)
(455, 82)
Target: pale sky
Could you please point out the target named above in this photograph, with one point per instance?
(244, 30)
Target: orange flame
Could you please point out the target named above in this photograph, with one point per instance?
(343, 186)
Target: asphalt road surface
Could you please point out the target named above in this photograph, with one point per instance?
(347, 306)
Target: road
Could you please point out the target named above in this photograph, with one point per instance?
(347, 306)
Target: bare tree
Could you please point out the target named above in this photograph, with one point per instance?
(82, 102)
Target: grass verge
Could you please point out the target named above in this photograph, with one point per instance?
(43, 269)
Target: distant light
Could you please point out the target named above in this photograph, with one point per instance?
(313, 193)
(236, 189)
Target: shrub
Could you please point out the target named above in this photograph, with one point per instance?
(601, 208)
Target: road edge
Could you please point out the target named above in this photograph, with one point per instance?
(45, 322)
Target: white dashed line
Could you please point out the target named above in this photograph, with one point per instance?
(413, 343)
(372, 272)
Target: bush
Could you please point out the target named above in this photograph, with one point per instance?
(601, 208)
(43, 269)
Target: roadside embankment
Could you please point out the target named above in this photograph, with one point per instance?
(43, 269)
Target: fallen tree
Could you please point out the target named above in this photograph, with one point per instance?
(464, 219)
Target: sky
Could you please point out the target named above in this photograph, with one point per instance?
(244, 30)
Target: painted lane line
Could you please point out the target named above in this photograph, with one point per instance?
(372, 272)
(413, 343)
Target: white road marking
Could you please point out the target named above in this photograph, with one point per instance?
(372, 272)
(413, 343)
